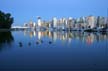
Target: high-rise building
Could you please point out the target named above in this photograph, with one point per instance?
(54, 21)
(107, 22)
(60, 23)
(91, 21)
(66, 23)
(30, 24)
(50, 24)
(77, 22)
(34, 24)
(63, 23)
(101, 22)
(82, 23)
(71, 22)
(39, 22)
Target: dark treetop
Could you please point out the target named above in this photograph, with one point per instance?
(5, 20)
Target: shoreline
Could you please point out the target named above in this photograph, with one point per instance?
(53, 30)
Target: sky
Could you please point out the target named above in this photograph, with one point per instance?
(28, 10)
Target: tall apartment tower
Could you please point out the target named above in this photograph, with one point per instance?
(91, 21)
(55, 22)
(39, 22)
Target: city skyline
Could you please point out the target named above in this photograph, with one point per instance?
(70, 22)
(24, 11)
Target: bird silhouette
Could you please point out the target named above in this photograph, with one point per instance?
(50, 42)
(37, 42)
(29, 43)
(20, 44)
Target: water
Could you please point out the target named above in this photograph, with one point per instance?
(31, 50)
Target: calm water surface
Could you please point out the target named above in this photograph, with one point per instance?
(31, 50)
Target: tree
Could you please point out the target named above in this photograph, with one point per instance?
(5, 20)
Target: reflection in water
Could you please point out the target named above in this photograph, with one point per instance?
(54, 50)
(89, 38)
(5, 38)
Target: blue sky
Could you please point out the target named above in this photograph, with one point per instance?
(26, 10)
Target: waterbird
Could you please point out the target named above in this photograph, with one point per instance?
(37, 42)
(29, 43)
(50, 42)
(20, 44)
(41, 41)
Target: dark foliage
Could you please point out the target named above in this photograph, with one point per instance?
(5, 20)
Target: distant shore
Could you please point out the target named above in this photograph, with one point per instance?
(67, 30)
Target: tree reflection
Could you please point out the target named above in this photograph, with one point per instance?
(6, 38)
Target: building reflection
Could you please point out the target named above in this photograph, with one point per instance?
(89, 38)
(6, 38)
